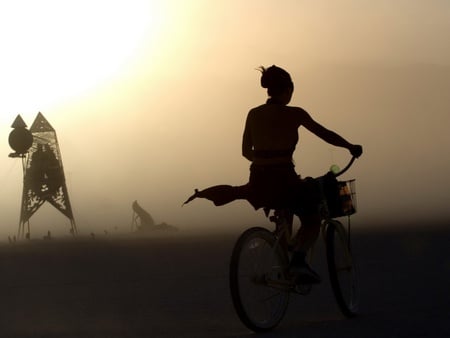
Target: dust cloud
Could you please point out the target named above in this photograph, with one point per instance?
(172, 120)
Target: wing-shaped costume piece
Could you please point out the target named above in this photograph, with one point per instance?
(221, 194)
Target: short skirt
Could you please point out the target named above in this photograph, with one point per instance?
(279, 186)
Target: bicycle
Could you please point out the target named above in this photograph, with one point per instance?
(259, 281)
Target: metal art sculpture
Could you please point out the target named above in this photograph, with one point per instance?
(44, 179)
(140, 218)
(142, 221)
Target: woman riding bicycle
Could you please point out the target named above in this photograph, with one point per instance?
(269, 140)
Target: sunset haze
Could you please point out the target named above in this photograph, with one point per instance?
(149, 99)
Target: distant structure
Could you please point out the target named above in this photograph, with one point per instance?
(142, 220)
(140, 217)
(44, 179)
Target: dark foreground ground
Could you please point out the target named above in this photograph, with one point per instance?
(176, 285)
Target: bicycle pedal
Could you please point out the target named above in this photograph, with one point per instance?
(303, 289)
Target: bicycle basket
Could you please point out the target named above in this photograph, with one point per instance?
(341, 198)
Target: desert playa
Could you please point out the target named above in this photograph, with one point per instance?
(175, 284)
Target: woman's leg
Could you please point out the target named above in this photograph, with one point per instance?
(308, 232)
(306, 237)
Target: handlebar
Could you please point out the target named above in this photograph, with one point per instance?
(349, 164)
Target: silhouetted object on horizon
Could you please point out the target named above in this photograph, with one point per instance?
(44, 179)
(20, 139)
(48, 236)
(143, 221)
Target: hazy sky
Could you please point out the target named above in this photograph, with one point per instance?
(149, 98)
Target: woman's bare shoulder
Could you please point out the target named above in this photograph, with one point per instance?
(299, 113)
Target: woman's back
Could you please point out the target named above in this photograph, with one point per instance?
(273, 128)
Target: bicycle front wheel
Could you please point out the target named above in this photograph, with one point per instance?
(257, 280)
(342, 269)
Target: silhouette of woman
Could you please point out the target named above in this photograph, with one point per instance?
(269, 140)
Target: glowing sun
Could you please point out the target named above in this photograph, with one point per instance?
(53, 50)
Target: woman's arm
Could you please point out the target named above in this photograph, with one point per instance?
(247, 144)
(329, 136)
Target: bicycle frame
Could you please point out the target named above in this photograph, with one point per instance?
(283, 219)
(265, 270)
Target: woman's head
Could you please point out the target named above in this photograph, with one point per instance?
(276, 80)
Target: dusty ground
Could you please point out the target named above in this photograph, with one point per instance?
(176, 285)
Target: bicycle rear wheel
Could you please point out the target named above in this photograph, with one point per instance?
(257, 273)
(342, 269)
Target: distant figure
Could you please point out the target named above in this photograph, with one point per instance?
(92, 235)
(269, 140)
(49, 236)
(27, 236)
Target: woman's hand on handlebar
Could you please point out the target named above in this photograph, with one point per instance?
(356, 150)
